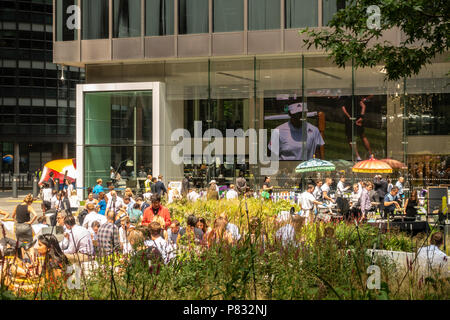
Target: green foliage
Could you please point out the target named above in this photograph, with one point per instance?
(424, 24)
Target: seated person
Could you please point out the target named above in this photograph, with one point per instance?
(191, 232)
(391, 202)
(434, 258)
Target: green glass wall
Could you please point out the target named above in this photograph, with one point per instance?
(264, 14)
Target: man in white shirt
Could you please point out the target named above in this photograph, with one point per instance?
(91, 217)
(231, 228)
(47, 194)
(192, 195)
(341, 188)
(432, 258)
(129, 202)
(318, 191)
(326, 190)
(399, 185)
(307, 202)
(54, 200)
(80, 247)
(231, 194)
(166, 249)
(361, 187)
(114, 203)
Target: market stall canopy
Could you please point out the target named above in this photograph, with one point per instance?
(372, 166)
(59, 169)
(315, 165)
(395, 164)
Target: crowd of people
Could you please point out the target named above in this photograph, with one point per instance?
(112, 221)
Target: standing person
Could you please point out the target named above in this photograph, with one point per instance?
(51, 180)
(156, 209)
(241, 184)
(92, 216)
(267, 189)
(80, 247)
(148, 184)
(108, 236)
(231, 194)
(129, 203)
(307, 202)
(24, 216)
(192, 195)
(98, 188)
(173, 232)
(326, 190)
(364, 201)
(399, 185)
(142, 204)
(115, 203)
(74, 202)
(135, 214)
(381, 187)
(160, 188)
(166, 250)
(47, 194)
(390, 185)
(212, 193)
(63, 203)
(346, 107)
(185, 186)
(101, 205)
(91, 199)
(411, 204)
(317, 193)
(191, 232)
(125, 227)
(354, 200)
(391, 202)
(341, 188)
(153, 185)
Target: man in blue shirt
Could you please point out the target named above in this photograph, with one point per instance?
(290, 136)
(391, 202)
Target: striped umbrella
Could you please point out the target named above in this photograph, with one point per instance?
(395, 164)
(315, 165)
(372, 166)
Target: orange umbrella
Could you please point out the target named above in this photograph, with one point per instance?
(372, 166)
(395, 164)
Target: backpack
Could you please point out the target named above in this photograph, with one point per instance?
(81, 216)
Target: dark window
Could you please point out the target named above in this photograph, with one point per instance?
(193, 16)
(302, 13)
(228, 15)
(95, 15)
(127, 18)
(159, 20)
(264, 14)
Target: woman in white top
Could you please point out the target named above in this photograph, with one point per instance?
(74, 201)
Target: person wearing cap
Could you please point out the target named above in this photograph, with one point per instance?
(290, 136)
(214, 183)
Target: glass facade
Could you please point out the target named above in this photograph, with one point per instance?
(95, 19)
(301, 13)
(193, 16)
(354, 111)
(264, 14)
(127, 18)
(118, 128)
(159, 17)
(228, 15)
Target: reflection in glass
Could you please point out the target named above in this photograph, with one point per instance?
(193, 16)
(329, 8)
(95, 15)
(127, 18)
(228, 15)
(159, 17)
(263, 14)
(301, 13)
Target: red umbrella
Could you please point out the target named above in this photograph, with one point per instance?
(395, 164)
(372, 166)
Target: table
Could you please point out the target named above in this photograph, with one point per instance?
(410, 227)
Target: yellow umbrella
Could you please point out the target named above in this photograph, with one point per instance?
(372, 166)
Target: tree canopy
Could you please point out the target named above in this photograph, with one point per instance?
(353, 30)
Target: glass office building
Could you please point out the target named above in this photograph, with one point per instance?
(160, 66)
(37, 109)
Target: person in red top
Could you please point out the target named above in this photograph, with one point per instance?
(156, 209)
